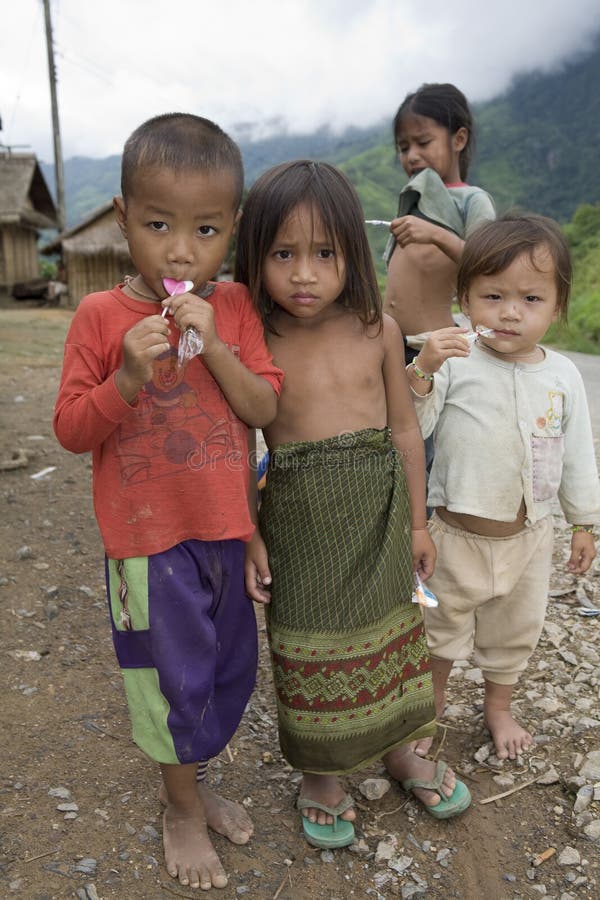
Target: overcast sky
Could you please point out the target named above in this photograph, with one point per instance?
(275, 64)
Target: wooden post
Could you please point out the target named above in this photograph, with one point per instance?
(58, 160)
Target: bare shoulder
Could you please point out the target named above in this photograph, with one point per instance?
(392, 335)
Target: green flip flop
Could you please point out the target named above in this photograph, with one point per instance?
(339, 834)
(448, 806)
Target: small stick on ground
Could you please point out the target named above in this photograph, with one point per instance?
(514, 790)
(229, 753)
(442, 741)
(39, 856)
(285, 878)
(392, 811)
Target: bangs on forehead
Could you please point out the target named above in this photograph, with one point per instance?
(319, 219)
(494, 245)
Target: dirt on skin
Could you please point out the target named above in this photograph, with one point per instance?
(64, 723)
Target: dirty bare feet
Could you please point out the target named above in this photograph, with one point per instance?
(223, 816)
(421, 748)
(404, 763)
(189, 854)
(325, 789)
(226, 817)
(509, 737)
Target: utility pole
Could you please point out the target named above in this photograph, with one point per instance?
(58, 160)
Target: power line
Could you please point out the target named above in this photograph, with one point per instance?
(25, 57)
(86, 66)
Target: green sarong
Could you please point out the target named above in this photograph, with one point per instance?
(349, 655)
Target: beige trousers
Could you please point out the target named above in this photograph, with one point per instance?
(492, 595)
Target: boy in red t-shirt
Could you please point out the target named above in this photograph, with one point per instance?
(170, 462)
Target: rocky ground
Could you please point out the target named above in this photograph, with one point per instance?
(79, 815)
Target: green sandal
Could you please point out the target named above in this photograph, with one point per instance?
(448, 806)
(339, 834)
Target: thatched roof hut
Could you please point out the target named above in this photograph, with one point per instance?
(94, 253)
(26, 206)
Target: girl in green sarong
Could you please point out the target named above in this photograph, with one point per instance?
(342, 524)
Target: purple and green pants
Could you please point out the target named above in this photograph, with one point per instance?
(185, 637)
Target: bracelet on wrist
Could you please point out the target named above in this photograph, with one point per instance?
(587, 529)
(424, 376)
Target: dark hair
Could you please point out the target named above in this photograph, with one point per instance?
(181, 141)
(493, 246)
(447, 106)
(272, 199)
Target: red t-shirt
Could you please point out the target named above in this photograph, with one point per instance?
(173, 465)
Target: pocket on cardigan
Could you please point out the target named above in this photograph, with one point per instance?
(547, 455)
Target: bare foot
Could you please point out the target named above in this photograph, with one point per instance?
(509, 738)
(223, 816)
(422, 747)
(404, 763)
(327, 790)
(189, 854)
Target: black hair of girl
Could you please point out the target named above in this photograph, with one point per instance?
(328, 192)
(447, 106)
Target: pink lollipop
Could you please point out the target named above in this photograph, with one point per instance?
(173, 288)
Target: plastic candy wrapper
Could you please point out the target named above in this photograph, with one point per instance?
(480, 331)
(190, 345)
(190, 342)
(422, 595)
(377, 222)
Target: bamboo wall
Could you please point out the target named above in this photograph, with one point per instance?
(18, 255)
(100, 271)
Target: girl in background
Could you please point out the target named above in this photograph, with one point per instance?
(434, 135)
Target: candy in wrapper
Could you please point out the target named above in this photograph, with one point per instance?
(190, 345)
(422, 595)
(190, 342)
(480, 331)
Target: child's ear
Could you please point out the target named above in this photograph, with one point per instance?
(121, 214)
(236, 221)
(460, 139)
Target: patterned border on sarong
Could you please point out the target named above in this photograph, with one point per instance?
(322, 684)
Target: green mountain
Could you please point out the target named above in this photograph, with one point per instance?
(538, 144)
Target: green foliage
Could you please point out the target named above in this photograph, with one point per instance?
(47, 268)
(583, 329)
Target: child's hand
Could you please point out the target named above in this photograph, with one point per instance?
(141, 345)
(413, 230)
(256, 569)
(423, 553)
(440, 346)
(583, 551)
(191, 311)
